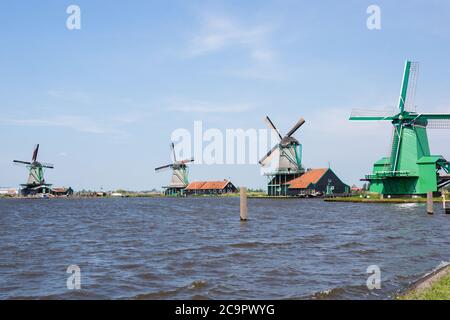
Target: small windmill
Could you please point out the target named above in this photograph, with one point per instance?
(410, 169)
(285, 158)
(36, 182)
(180, 170)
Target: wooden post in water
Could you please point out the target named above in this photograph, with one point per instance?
(446, 209)
(430, 204)
(443, 202)
(243, 197)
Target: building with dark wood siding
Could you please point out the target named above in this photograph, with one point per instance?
(210, 188)
(61, 191)
(313, 181)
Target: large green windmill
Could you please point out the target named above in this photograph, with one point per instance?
(410, 169)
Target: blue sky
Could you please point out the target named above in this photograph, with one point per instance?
(103, 101)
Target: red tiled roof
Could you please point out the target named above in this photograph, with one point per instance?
(215, 184)
(311, 176)
(207, 185)
(195, 185)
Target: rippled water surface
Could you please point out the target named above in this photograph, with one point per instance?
(152, 248)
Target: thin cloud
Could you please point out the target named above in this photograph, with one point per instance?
(335, 122)
(78, 123)
(73, 96)
(82, 124)
(258, 72)
(221, 32)
(199, 106)
(262, 55)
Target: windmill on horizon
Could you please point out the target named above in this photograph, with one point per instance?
(285, 158)
(36, 182)
(180, 170)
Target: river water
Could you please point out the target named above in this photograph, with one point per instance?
(196, 248)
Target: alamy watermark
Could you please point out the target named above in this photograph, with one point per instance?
(73, 21)
(74, 280)
(374, 280)
(374, 20)
(229, 146)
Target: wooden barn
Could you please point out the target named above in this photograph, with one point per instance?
(210, 188)
(60, 192)
(317, 181)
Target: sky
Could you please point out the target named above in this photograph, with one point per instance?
(103, 100)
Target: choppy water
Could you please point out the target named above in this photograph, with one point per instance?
(152, 248)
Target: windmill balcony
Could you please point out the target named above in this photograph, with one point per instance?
(386, 174)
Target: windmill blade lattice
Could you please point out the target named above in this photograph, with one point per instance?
(412, 86)
(272, 126)
(35, 153)
(163, 167)
(438, 124)
(372, 113)
(288, 150)
(295, 127)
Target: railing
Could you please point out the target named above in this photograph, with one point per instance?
(382, 174)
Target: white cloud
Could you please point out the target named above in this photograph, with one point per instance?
(262, 55)
(189, 105)
(219, 33)
(259, 72)
(82, 124)
(101, 126)
(73, 96)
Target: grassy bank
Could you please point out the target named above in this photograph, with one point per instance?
(379, 200)
(434, 287)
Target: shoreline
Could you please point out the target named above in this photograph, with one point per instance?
(432, 286)
(249, 196)
(374, 200)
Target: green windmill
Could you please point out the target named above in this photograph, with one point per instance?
(36, 183)
(180, 171)
(410, 169)
(287, 160)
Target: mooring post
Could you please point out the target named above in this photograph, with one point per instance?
(446, 210)
(430, 204)
(243, 197)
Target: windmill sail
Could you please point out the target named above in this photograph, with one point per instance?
(172, 146)
(35, 153)
(371, 114)
(438, 124)
(179, 179)
(36, 171)
(412, 85)
(272, 126)
(285, 156)
(21, 162)
(295, 127)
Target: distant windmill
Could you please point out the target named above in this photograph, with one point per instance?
(288, 155)
(179, 180)
(36, 182)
